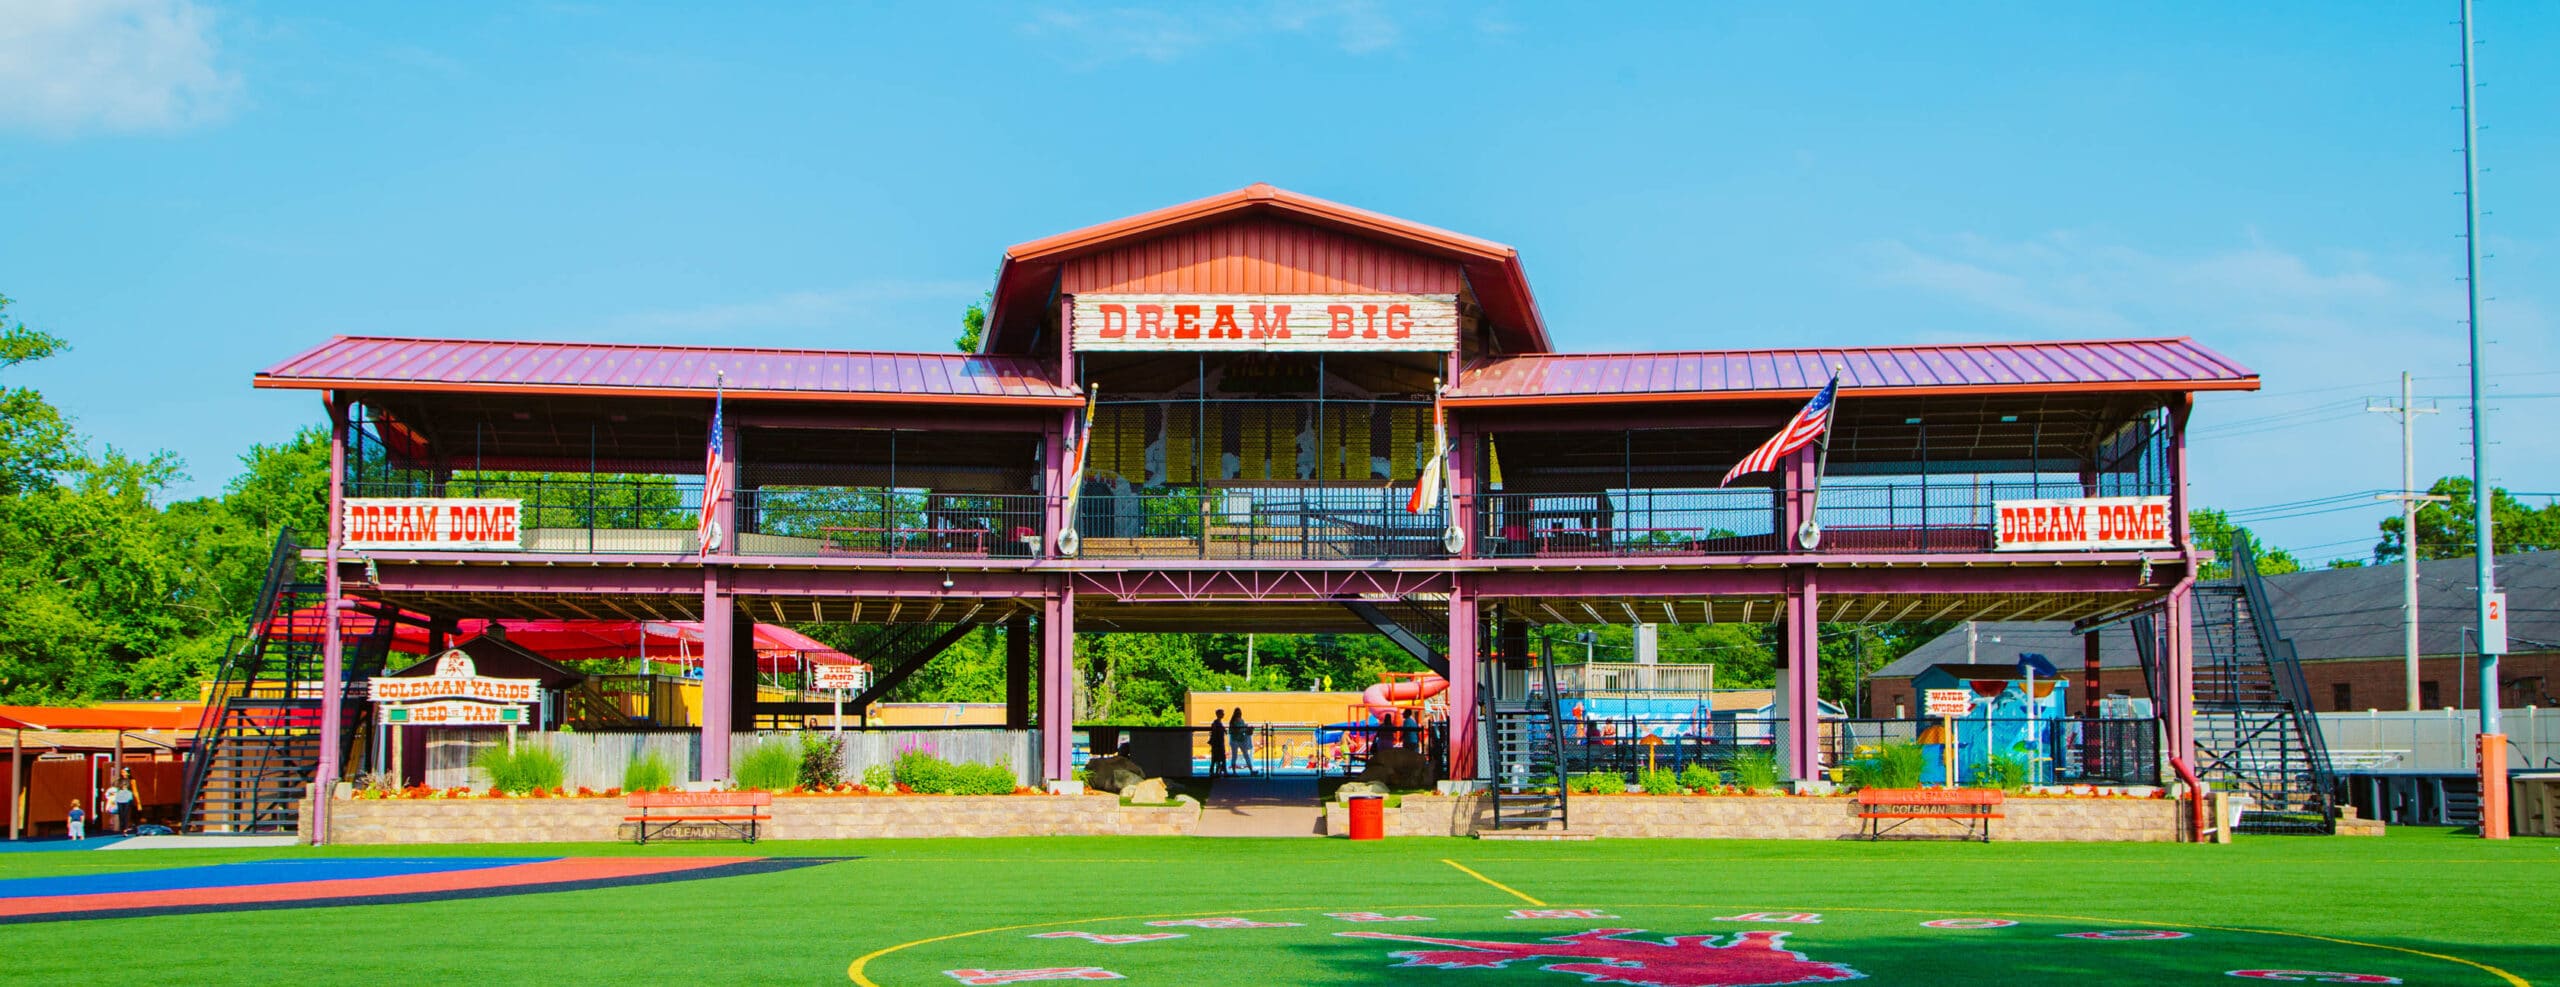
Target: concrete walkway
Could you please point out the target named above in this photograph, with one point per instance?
(1262, 807)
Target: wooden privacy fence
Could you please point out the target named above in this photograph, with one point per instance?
(595, 759)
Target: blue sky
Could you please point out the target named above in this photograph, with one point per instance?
(193, 191)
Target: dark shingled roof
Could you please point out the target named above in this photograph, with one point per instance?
(2330, 614)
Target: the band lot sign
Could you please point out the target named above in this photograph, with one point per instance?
(454, 523)
(2083, 523)
(457, 695)
(1266, 322)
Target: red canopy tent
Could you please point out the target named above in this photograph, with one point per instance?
(779, 649)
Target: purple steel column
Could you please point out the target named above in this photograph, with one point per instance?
(2178, 707)
(1465, 621)
(1053, 467)
(1058, 682)
(1804, 679)
(719, 617)
(1017, 672)
(324, 779)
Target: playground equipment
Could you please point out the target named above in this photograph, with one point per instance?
(2014, 716)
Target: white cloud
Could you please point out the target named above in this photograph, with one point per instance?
(1164, 34)
(115, 66)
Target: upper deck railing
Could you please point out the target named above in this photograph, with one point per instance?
(1855, 518)
(1260, 523)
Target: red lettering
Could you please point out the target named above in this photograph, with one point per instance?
(1341, 317)
(1114, 319)
(1225, 326)
(1370, 313)
(1151, 322)
(1276, 327)
(1186, 322)
(1399, 328)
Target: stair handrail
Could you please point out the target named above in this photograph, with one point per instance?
(1555, 732)
(246, 658)
(2289, 681)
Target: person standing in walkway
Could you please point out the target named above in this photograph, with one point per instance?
(1218, 744)
(128, 802)
(78, 821)
(1240, 740)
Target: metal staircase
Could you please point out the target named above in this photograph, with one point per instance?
(259, 742)
(2255, 732)
(1526, 740)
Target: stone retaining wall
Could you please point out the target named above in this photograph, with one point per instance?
(1785, 818)
(795, 817)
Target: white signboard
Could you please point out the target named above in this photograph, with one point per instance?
(1266, 322)
(464, 523)
(2493, 633)
(2083, 523)
(452, 713)
(455, 678)
(1948, 703)
(834, 677)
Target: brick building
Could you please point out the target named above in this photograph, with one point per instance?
(2345, 625)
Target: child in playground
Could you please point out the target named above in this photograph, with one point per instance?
(79, 821)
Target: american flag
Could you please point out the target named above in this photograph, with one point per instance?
(714, 484)
(1426, 488)
(1076, 456)
(1808, 425)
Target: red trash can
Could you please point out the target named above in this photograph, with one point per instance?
(1368, 817)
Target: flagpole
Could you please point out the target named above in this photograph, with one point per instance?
(1809, 534)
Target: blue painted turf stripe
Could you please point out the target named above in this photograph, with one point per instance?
(250, 873)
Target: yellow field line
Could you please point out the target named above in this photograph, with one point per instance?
(1507, 889)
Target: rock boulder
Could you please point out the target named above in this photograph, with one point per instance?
(1398, 768)
(1112, 773)
(1148, 790)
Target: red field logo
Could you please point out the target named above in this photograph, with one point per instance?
(984, 977)
(2316, 975)
(1751, 959)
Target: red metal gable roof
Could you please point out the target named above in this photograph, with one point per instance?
(1977, 368)
(395, 364)
(1029, 272)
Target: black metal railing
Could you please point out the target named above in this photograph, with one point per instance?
(1621, 523)
(1260, 523)
(2067, 751)
(875, 521)
(1856, 515)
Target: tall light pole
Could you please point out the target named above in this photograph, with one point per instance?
(2409, 497)
(2491, 624)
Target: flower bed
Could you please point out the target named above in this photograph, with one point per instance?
(479, 817)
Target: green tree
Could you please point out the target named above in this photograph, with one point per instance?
(973, 324)
(2215, 533)
(2445, 529)
(36, 443)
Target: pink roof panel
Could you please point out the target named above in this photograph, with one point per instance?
(1990, 368)
(362, 362)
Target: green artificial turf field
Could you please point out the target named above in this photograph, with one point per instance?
(2419, 907)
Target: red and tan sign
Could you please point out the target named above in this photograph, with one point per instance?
(452, 713)
(464, 523)
(1948, 703)
(2083, 523)
(837, 676)
(1266, 322)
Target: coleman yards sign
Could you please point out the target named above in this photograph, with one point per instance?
(2082, 523)
(456, 679)
(466, 523)
(1266, 322)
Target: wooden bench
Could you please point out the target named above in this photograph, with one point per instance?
(1975, 807)
(744, 823)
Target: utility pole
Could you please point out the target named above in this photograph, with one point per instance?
(2408, 497)
(2491, 622)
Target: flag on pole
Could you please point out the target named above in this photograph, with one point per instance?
(1426, 488)
(1075, 459)
(1807, 426)
(706, 530)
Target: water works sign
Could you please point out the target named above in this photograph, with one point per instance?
(1266, 322)
(456, 523)
(456, 695)
(2083, 523)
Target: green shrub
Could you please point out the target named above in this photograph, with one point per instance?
(1658, 782)
(648, 773)
(1900, 765)
(821, 760)
(2004, 773)
(1755, 770)
(771, 766)
(527, 767)
(1600, 783)
(1699, 777)
(879, 778)
(926, 774)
